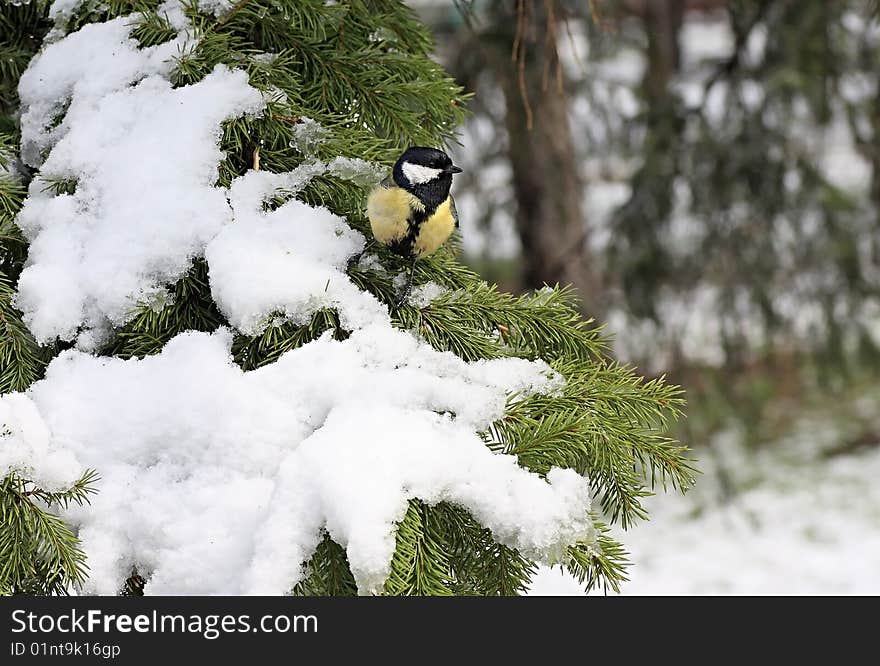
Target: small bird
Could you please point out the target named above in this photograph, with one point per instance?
(412, 211)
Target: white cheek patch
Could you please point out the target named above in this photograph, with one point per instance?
(418, 174)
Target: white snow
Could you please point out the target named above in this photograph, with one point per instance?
(10, 168)
(219, 481)
(291, 260)
(81, 69)
(308, 135)
(797, 522)
(63, 8)
(255, 188)
(217, 7)
(424, 294)
(25, 446)
(145, 161)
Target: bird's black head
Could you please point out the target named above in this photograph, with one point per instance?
(426, 173)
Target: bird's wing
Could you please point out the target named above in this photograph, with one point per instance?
(453, 210)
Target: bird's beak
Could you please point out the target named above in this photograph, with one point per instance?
(453, 169)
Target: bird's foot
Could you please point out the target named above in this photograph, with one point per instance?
(407, 290)
(404, 297)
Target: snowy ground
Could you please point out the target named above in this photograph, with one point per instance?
(799, 524)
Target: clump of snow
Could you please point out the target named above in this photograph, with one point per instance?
(81, 69)
(265, 59)
(219, 481)
(24, 446)
(255, 188)
(370, 262)
(61, 9)
(10, 168)
(359, 172)
(308, 134)
(144, 159)
(290, 260)
(424, 294)
(217, 7)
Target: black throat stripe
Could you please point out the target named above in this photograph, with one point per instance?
(405, 246)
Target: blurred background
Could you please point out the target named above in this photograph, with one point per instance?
(707, 174)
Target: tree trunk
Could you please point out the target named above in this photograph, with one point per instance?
(662, 19)
(547, 184)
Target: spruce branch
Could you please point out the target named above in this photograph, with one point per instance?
(39, 554)
(22, 360)
(480, 565)
(327, 572)
(602, 563)
(420, 565)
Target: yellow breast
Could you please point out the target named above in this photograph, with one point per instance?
(435, 231)
(388, 209)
